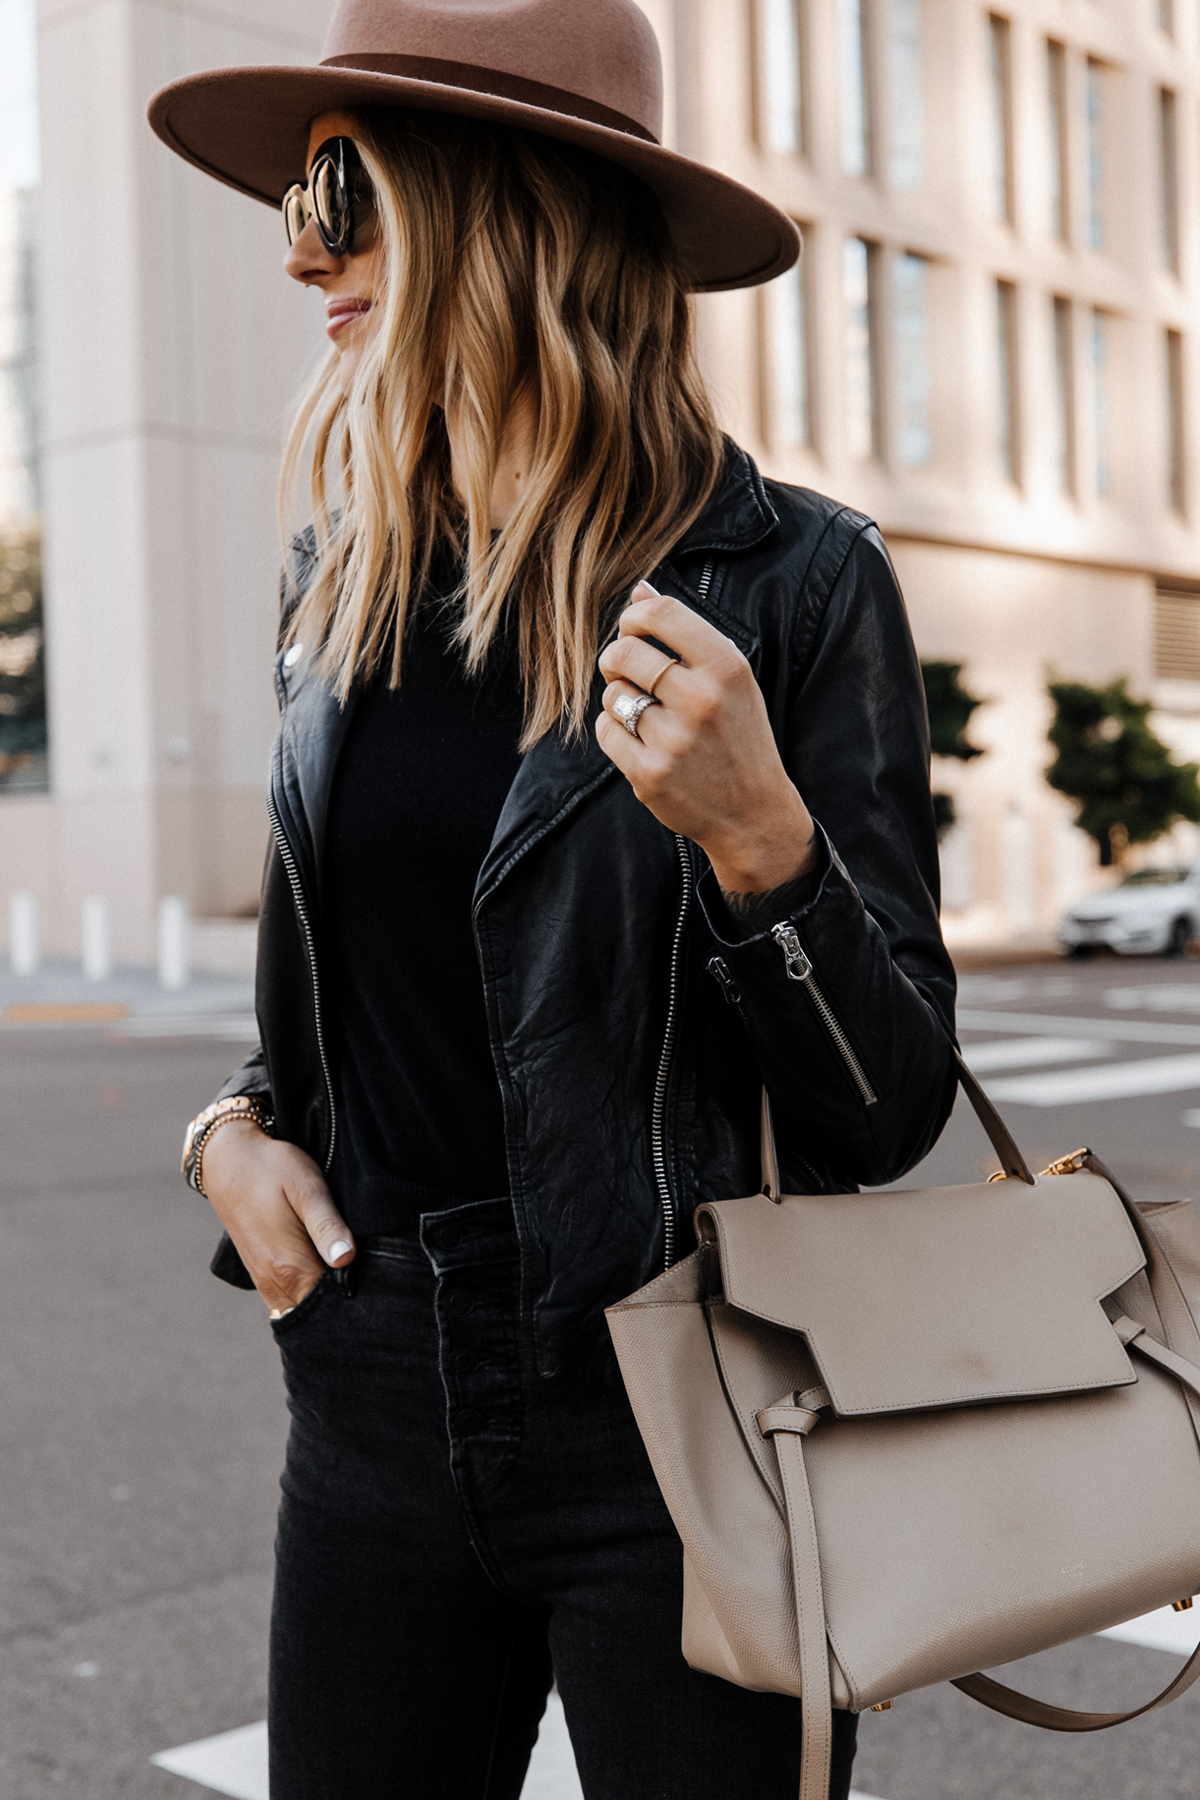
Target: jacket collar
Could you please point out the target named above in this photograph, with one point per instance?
(738, 514)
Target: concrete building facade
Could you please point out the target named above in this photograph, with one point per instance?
(990, 347)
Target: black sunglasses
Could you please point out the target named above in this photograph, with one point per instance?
(340, 198)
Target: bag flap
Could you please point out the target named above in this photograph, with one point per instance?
(946, 1297)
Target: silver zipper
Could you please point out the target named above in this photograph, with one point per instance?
(799, 968)
(658, 1145)
(293, 875)
(718, 968)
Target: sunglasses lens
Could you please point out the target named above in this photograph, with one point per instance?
(295, 213)
(330, 204)
(339, 197)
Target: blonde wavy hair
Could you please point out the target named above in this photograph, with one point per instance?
(511, 265)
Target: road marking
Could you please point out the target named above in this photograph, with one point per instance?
(1126, 1031)
(32, 1012)
(1167, 996)
(1165, 1629)
(234, 1027)
(1025, 1053)
(235, 1763)
(1113, 1081)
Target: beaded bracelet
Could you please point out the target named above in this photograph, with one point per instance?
(246, 1107)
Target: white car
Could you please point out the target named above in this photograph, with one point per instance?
(1153, 912)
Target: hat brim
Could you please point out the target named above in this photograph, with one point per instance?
(249, 128)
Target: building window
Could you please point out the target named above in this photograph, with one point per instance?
(1000, 118)
(1056, 108)
(1176, 446)
(1168, 179)
(1102, 402)
(859, 262)
(1177, 634)
(1007, 420)
(782, 121)
(1095, 97)
(23, 761)
(1064, 396)
(791, 421)
(906, 164)
(855, 86)
(910, 324)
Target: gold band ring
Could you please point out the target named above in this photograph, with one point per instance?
(671, 663)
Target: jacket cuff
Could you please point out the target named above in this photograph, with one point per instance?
(790, 901)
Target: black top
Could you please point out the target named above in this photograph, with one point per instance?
(420, 784)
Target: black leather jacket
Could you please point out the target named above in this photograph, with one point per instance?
(632, 1028)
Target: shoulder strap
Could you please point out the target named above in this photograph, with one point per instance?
(1002, 1141)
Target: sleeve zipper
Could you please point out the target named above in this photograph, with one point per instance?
(800, 969)
(718, 968)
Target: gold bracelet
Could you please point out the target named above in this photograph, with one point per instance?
(238, 1106)
(202, 1143)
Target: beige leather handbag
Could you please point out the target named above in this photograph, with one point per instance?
(902, 1437)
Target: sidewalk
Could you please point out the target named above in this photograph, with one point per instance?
(129, 1004)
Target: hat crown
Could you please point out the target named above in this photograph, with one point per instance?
(604, 51)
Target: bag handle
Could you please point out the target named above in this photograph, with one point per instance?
(1029, 1711)
(1000, 1137)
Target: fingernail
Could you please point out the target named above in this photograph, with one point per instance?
(338, 1250)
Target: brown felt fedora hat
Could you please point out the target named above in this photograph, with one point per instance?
(586, 71)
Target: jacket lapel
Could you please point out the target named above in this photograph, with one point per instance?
(558, 774)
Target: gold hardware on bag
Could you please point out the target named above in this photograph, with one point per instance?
(884, 1706)
(1181, 1605)
(1069, 1165)
(998, 1176)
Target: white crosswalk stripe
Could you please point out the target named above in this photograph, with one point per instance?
(1111, 1081)
(1124, 1031)
(235, 1763)
(1030, 1052)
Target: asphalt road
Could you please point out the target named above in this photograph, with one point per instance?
(142, 1419)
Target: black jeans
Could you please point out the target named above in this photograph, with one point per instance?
(454, 1528)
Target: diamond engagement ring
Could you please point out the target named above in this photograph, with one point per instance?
(629, 709)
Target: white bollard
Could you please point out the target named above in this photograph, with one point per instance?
(23, 938)
(174, 947)
(97, 938)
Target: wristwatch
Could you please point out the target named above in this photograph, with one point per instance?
(221, 1112)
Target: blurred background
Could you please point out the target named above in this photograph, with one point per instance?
(991, 347)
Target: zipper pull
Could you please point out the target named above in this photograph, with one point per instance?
(788, 938)
(718, 968)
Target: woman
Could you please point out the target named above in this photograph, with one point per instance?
(548, 899)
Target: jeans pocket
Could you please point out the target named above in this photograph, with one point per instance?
(305, 1308)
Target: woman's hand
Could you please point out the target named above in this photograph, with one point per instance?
(272, 1200)
(705, 761)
